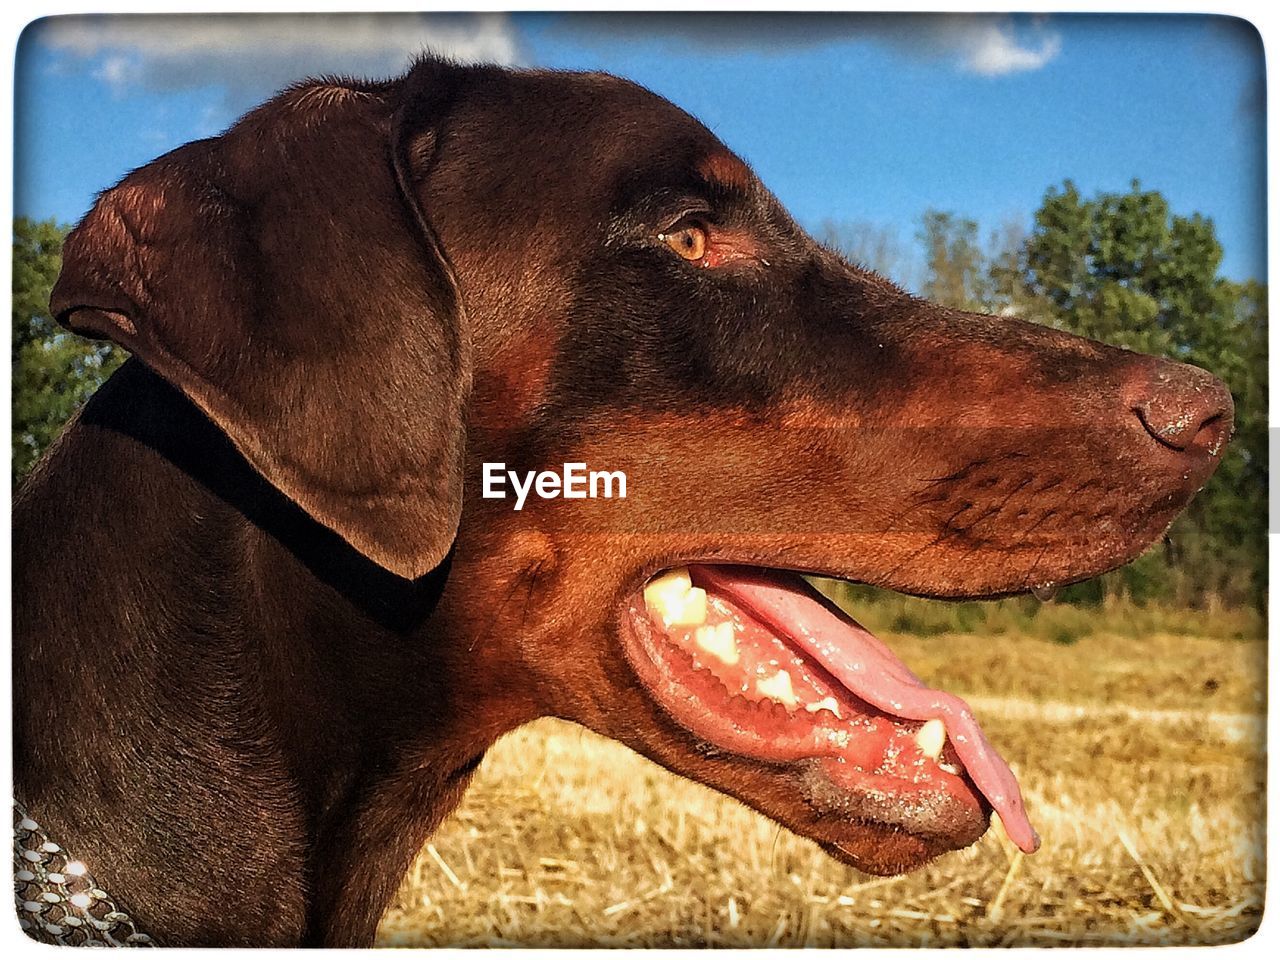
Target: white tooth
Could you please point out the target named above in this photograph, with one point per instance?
(826, 704)
(719, 642)
(931, 738)
(949, 768)
(676, 576)
(778, 687)
(660, 589)
(693, 609)
(674, 598)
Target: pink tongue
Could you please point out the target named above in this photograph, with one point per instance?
(871, 671)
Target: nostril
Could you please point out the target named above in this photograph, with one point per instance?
(1213, 434)
(1187, 409)
(1173, 433)
(1183, 431)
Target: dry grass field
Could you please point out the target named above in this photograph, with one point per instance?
(1141, 759)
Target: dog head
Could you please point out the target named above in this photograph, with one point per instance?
(375, 288)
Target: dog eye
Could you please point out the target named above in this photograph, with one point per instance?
(690, 241)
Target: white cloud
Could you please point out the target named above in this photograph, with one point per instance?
(117, 71)
(985, 44)
(249, 57)
(244, 58)
(990, 45)
(992, 49)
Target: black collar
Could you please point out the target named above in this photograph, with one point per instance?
(139, 404)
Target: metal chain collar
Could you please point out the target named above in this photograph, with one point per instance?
(58, 901)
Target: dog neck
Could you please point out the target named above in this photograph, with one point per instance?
(242, 668)
(138, 404)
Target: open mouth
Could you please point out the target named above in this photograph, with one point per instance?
(758, 663)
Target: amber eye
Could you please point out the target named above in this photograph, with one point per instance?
(689, 241)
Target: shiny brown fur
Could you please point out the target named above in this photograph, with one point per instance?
(246, 687)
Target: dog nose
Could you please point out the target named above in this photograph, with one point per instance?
(1185, 408)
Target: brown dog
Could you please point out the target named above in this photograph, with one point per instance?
(267, 623)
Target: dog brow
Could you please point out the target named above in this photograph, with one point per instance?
(723, 169)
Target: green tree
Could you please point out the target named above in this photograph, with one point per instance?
(54, 372)
(1124, 269)
(957, 272)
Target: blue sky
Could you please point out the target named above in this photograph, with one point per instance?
(850, 118)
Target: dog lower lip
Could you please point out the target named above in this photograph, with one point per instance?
(760, 664)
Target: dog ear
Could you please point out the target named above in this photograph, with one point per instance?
(284, 277)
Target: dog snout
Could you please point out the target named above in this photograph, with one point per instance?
(1184, 408)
